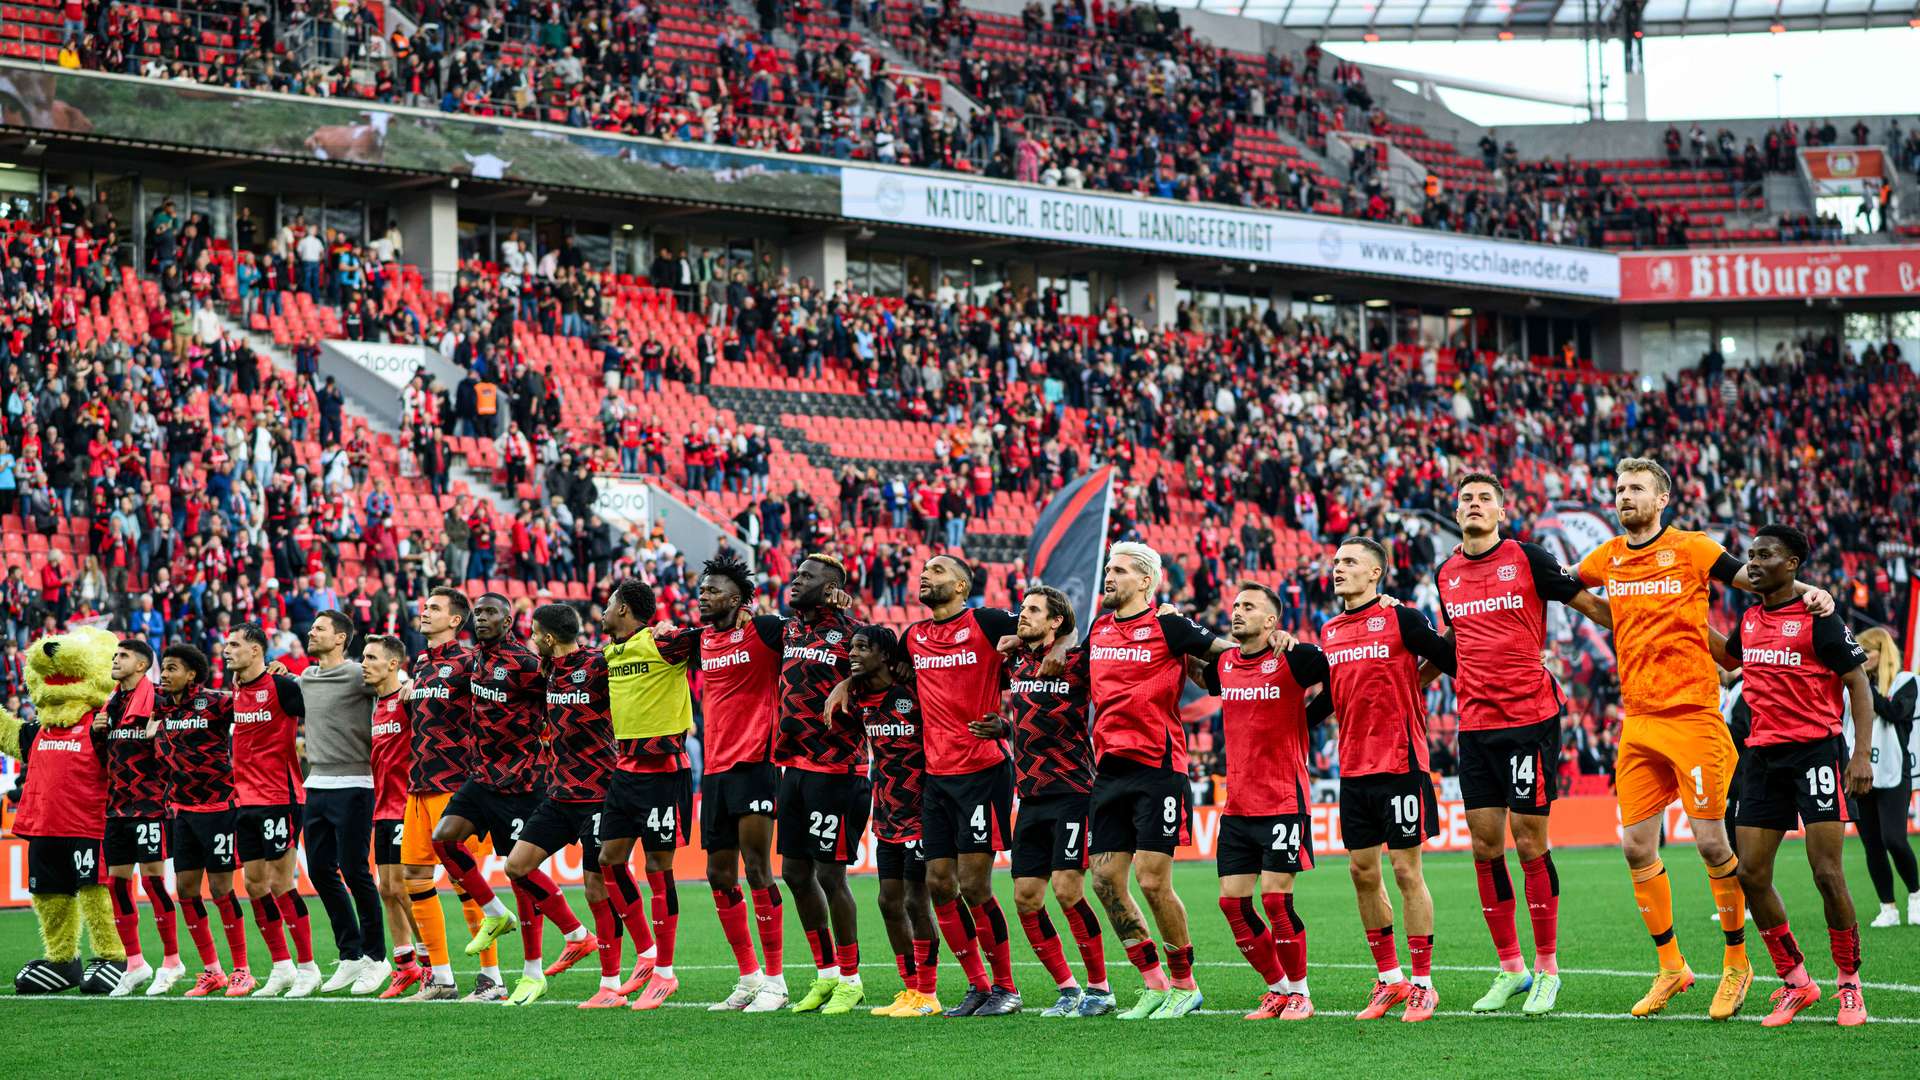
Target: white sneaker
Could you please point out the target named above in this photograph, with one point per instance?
(130, 980)
(278, 981)
(373, 976)
(344, 975)
(1889, 916)
(1913, 909)
(164, 978)
(743, 994)
(306, 979)
(771, 997)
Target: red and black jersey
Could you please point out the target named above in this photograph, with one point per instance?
(957, 672)
(1263, 709)
(439, 708)
(505, 737)
(196, 745)
(1373, 656)
(740, 691)
(392, 747)
(813, 660)
(582, 730)
(1136, 666)
(1051, 752)
(891, 721)
(66, 791)
(1791, 664)
(1496, 604)
(136, 777)
(266, 724)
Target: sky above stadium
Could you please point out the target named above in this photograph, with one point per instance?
(1695, 76)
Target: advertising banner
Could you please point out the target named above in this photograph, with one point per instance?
(1785, 273)
(1226, 233)
(624, 502)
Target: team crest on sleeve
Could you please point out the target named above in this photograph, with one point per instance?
(1667, 557)
(1790, 629)
(1509, 572)
(1377, 624)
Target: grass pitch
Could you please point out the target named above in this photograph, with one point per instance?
(1604, 956)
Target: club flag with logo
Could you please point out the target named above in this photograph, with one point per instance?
(1070, 541)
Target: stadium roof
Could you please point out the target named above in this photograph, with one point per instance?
(1447, 20)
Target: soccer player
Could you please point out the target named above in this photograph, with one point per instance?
(825, 796)
(1493, 598)
(267, 710)
(383, 662)
(1374, 682)
(1673, 743)
(889, 714)
(195, 742)
(582, 748)
(339, 810)
(1046, 719)
(507, 764)
(1142, 805)
(136, 819)
(439, 709)
(650, 793)
(1798, 769)
(1266, 831)
(739, 789)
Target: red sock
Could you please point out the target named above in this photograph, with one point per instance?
(731, 906)
(1046, 945)
(195, 910)
(1289, 934)
(769, 918)
(1420, 954)
(1256, 944)
(549, 901)
(126, 918)
(1846, 952)
(956, 925)
(991, 924)
(624, 894)
(606, 930)
(1146, 959)
(1180, 966)
(1788, 962)
(1093, 950)
(1543, 906)
(926, 965)
(266, 912)
(847, 958)
(821, 941)
(163, 916)
(1496, 905)
(909, 974)
(403, 959)
(1386, 956)
(293, 908)
(235, 928)
(532, 926)
(464, 871)
(666, 912)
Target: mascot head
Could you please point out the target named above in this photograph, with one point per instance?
(70, 675)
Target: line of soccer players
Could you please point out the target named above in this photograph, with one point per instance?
(816, 725)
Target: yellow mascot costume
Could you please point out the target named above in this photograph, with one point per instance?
(63, 811)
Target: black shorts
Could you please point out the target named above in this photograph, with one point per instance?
(136, 840)
(204, 840)
(1395, 809)
(1510, 767)
(387, 833)
(1050, 834)
(266, 832)
(556, 824)
(900, 860)
(1274, 843)
(62, 865)
(823, 815)
(1787, 784)
(501, 815)
(654, 808)
(1140, 808)
(968, 814)
(750, 789)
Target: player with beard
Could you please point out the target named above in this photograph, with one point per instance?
(508, 766)
(383, 664)
(136, 819)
